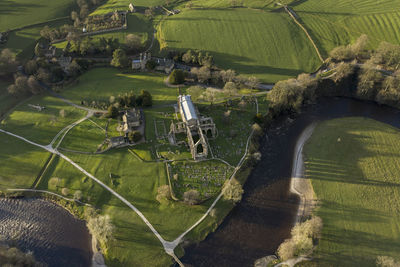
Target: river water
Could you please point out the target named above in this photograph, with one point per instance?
(54, 236)
(263, 219)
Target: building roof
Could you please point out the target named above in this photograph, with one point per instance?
(136, 61)
(188, 109)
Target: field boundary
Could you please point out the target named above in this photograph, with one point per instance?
(290, 12)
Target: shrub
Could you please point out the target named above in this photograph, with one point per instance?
(78, 195)
(177, 77)
(54, 182)
(191, 197)
(386, 261)
(232, 190)
(151, 65)
(112, 112)
(135, 136)
(65, 191)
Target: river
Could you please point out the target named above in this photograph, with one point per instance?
(263, 219)
(54, 236)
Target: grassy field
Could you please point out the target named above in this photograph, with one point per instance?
(265, 44)
(22, 42)
(333, 23)
(40, 126)
(20, 13)
(353, 164)
(112, 5)
(101, 83)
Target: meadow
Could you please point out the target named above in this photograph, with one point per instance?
(258, 43)
(353, 165)
(334, 23)
(20, 13)
(101, 83)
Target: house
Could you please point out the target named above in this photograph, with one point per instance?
(165, 65)
(131, 120)
(140, 64)
(50, 52)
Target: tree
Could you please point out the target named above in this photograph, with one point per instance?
(230, 89)
(286, 96)
(135, 136)
(8, 64)
(177, 77)
(195, 92)
(369, 81)
(390, 92)
(74, 15)
(232, 190)
(31, 67)
(386, 261)
(112, 112)
(78, 195)
(147, 99)
(191, 197)
(65, 191)
(227, 75)
(253, 82)
(34, 86)
(45, 32)
(19, 87)
(388, 55)
(187, 57)
(101, 227)
(133, 42)
(342, 71)
(119, 60)
(210, 95)
(203, 74)
(43, 75)
(74, 68)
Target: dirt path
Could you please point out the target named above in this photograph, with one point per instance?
(299, 185)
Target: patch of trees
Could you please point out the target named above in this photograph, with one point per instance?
(358, 50)
(366, 80)
(134, 136)
(386, 261)
(64, 32)
(107, 21)
(129, 100)
(89, 46)
(84, 7)
(192, 57)
(12, 256)
(120, 59)
(303, 238)
(177, 77)
(191, 197)
(100, 226)
(8, 62)
(25, 86)
(232, 190)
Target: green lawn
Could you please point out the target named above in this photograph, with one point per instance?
(40, 126)
(353, 164)
(333, 23)
(101, 83)
(22, 42)
(20, 13)
(112, 5)
(252, 42)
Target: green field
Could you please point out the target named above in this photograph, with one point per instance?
(265, 44)
(113, 5)
(20, 13)
(333, 23)
(353, 165)
(101, 83)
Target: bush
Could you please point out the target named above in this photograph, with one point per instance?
(65, 191)
(191, 197)
(134, 136)
(302, 237)
(112, 112)
(232, 190)
(386, 261)
(151, 65)
(177, 77)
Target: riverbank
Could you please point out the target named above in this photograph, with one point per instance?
(264, 218)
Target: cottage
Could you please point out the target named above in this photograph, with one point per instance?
(140, 64)
(131, 120)
(165, 65)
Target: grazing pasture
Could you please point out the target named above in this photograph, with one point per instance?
(265, 44)
(353, 165)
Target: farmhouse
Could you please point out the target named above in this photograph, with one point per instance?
(140, 64)
(131, 120)
(196, 128)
